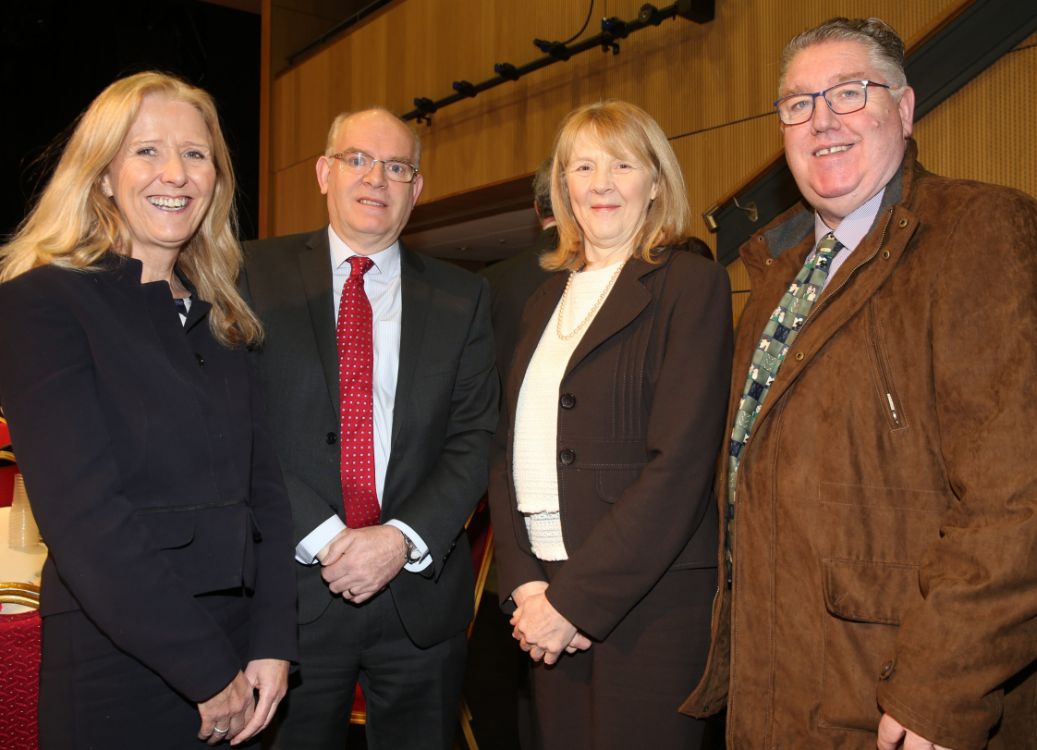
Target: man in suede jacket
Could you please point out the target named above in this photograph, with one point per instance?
(882, 536)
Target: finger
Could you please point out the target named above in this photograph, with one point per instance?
(571, 649)
(257, 722)
(550, 657)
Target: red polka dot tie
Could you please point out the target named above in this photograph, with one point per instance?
(355, 362)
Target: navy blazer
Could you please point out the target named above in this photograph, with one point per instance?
(444, 414)
(149, 474)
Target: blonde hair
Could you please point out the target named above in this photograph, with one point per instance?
(74, 224)
(622, 129)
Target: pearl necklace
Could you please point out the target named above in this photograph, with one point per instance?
(563, 306)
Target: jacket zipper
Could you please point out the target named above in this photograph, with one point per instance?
(889, 404)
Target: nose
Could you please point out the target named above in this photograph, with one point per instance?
(823, 118)
(375, 176)
(601, 180)
(173, 171)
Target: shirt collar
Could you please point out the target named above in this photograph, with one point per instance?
(386, 262)
(855, 226)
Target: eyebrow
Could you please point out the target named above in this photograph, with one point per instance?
(405, 159)
(858, 75)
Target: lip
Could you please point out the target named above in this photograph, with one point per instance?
(844, 148)
(604, 207)
(167, 203)
(368, 202)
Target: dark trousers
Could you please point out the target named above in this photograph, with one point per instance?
(624, 692)
(413, 694)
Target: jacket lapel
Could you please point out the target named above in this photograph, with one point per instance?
(416, 298)
(315, 271)
(624, 303)
(535, 316)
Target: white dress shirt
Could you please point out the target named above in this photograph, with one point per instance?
(850, 232)
(382, 285)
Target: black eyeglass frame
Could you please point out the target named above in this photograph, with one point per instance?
(343, 155)
(863, 82)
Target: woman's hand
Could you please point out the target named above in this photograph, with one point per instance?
(227, 712)
(527, 589)
(540, 629)
(269, 678)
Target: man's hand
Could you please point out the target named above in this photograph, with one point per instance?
(541, 630)
(226, 713)
(358, 563)
(892, 732)
(269, 678)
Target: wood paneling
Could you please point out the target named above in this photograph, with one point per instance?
(709, 86)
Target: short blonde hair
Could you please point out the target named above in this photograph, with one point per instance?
(74, 224)
(622, 129)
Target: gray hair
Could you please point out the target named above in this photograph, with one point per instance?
(341, 118)
(885, 47)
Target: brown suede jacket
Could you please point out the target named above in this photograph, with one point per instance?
(885, 534)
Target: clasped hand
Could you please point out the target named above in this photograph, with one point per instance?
(540, 629)
(358, 563)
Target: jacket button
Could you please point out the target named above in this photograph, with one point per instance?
(885, 255)
(887, 669)
(567, 456)
(902, 223)
(568, 401)
(799, 356)
(331, 438)
(200, 358)
(768, 262)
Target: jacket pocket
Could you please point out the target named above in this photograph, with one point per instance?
(209, 547)
(887, 393)
(864, 602)
(610, 482)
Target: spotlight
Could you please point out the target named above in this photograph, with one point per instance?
(649, 14)
(507, 71)
(464, 88)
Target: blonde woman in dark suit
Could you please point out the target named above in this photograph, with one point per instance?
(168, 602)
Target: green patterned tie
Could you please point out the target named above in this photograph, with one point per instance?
(779, 333)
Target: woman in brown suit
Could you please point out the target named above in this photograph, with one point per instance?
(613, 419)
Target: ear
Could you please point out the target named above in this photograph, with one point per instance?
(906, 108)
(323, 172)
(416, 186)
(655, 190)
(106, 185)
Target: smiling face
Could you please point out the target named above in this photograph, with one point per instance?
(609, 194)
(162, 178)
(841, 161)
(368, 212)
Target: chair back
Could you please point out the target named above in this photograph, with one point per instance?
(20, 675)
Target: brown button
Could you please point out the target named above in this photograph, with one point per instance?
(887, 669)
(902, 223)
(885, 255)
(567, 401)
(799, 356)
(567, 456)
(768, 261)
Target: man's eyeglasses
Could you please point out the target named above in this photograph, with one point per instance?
(842, 98)
(360, 163)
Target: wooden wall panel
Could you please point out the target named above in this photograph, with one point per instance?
(702, 82)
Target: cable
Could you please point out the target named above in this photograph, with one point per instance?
(583, 28)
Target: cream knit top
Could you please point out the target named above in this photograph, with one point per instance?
(535, 459)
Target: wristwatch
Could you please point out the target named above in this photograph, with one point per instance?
(413, 553)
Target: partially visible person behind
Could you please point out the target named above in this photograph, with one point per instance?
(880, 498)
(167, 598)
(602, 500)
(513, 281)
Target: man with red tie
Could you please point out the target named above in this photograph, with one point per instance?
(378, 367)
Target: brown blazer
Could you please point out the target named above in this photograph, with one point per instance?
(640, 422)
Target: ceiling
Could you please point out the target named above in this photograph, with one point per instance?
(484, 239)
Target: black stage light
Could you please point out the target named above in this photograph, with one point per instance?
(649, 14)
(507, 71)
(464, 88)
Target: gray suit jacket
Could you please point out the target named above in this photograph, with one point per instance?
(444, 414)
